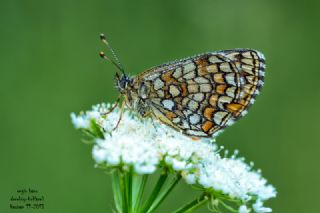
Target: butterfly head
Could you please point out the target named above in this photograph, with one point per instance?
(123, 83)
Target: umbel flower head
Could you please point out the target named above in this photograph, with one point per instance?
(145, 145)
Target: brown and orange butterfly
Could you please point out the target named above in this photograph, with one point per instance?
(199, 95)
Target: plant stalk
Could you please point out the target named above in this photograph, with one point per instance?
(164, 194)
(161, 181)
(191, 206)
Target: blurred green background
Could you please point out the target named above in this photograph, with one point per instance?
(49, 67)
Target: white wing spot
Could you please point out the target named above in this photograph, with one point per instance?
(158, 84)
(193, 105)
(190, 75)
(201, 80)
(194, 119)
(176, 120)
(230, 78)
(225, 67)
(168, 104)
(160, 93)
(247, 69)
(185, 125)
(247, 54)
(174, 91)
(247, 61)
(177, 73)
(243, 113)
(214, 59)
(218, 116)
(198, 96)
(205, 88)
(152, 77)
(230, 122)
(261, 56)
(188, 67)
(231, 91)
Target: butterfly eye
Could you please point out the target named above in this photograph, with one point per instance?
(123, 82)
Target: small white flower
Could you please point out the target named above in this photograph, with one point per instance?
(244, 209)
(145, 169)
(146, 145)
(178, 165)
(190, 178)
(99, 155)
(259, 208)
(80, 122)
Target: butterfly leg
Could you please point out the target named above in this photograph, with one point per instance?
(121, 113)
(153, 121)
(113, 107)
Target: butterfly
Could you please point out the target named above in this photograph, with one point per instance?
(198, 96)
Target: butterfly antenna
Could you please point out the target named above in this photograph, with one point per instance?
(103, 55)
(116, 61)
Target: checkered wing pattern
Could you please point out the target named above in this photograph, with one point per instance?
(203, 94)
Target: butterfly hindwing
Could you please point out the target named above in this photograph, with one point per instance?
(203, 94)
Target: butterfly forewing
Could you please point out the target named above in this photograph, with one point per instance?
(203, 94)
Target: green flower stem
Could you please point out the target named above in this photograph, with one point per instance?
(116, 191)
(161, 181)
(139, 183)
(227, 206)
(189, 207)
(164, 194)
(123, 189)
(128, 178)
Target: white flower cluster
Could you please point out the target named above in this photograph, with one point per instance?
(146, 145)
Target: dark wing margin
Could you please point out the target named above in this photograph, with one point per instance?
(251, 66)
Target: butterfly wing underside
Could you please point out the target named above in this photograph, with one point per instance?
(203, 94)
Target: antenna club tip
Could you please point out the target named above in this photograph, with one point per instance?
(101, 54)
(102, 36)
